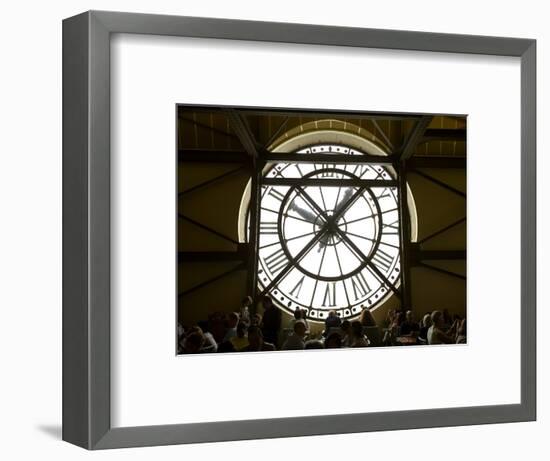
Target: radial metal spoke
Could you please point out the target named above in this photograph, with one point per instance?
(287, 240)
(284, 272)
(372, 267)
(337, 198)
(341, 271)
(286, 215)
(361, 219)
(323, 198)
(318, 274)
(371, 239)
(342, 208)
(313, 205)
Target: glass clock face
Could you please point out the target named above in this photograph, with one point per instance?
(325, 245)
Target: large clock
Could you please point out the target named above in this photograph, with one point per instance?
(329, 234)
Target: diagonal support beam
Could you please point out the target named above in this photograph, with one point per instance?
(240, 127)
(442, 271)
(440, 183)
(238, 267)
(442, 230)
(414, 138)
(210, 181)
(207, 228)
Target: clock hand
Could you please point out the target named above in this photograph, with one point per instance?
(327, 239)
(308, 216)
(343, 200)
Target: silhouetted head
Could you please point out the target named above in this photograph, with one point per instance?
(255, 337)
(232, 320)
(333, 341)
(437, 318)
(300, 328)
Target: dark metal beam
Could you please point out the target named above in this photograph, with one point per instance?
(212, 156)
(443, 229)
(240, 126)
(207, 228)
(277, 133)
(329, 182)
(334, 114)
(438, 255)
(383, 135)
(253, 231)
(440, 183)
(313, 113)
(326, 158)
(414, 137)
(238, 267)
(215, 256)
(436, 162)
(444, 134)
(211, 181)
(442, 271)
(208, 127)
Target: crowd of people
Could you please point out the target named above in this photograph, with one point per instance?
(245, 332)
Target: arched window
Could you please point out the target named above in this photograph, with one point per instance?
(329, 231)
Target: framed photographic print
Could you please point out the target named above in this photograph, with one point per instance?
(333, 226)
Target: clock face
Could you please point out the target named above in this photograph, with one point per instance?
(326, 245)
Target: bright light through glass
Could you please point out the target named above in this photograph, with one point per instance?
(325, 244)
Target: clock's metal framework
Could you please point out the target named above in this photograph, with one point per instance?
(256, 156)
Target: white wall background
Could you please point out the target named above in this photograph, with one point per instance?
(30, 228)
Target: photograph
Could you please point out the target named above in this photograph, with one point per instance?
(303, 229)
(239, 231)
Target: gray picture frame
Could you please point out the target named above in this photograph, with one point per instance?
(86, 229)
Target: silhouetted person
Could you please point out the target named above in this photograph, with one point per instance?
(409, 325)
(271, 321)
(333, 341)
(346, 333)
(193, 342)
(436, 334)
(332, 321)
(461, 333)
(240, 341)
(245, 309)
(314, 344)
(232, 320)
(256, 341)
(366, 318)
(210, 344)
(358, 339)
(296, 340)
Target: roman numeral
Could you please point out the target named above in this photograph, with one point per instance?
(384, 194)
(360, 170)
(329, 300)
(328, 174)
(276, 194)
(393, 228)
(276, 261)
(268, 227)
(360, 286)
(296, 290)
(382, 260)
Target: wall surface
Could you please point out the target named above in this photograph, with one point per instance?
(30, 247)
